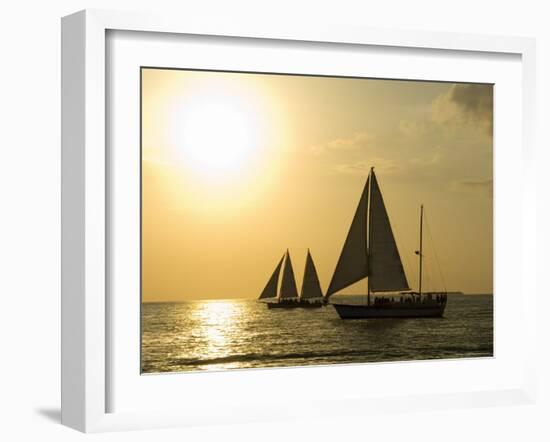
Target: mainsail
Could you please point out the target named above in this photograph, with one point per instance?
(311, 288)
(270, 290)
(288, 284)
(378, 257)
(386, 268)
(352, 265)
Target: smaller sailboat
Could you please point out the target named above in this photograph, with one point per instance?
(285, 294)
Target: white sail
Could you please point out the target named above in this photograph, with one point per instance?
(352, 265)
(288, 284)
(386, 268)
(311, 288)
(270, 290)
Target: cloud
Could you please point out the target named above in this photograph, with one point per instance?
(431, 161)
(465, 103)
(474, 98)
(358, 141)
(353, 152)
(381, 165)
(474, 185)
(411, 128)
(444, 140)
(477, 184)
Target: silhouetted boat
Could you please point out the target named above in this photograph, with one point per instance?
(370, 251)
(287, 297)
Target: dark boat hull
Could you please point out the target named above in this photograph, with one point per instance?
(294, 304)
(398, 310)
(312, 304)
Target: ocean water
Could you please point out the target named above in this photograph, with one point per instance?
(232, 334)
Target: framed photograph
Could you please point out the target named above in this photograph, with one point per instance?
(258, 216)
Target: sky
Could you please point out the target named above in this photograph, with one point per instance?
(238, 167)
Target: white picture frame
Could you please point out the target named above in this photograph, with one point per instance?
(86, 316)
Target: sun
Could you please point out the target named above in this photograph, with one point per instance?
(219, 144)
(217, 134)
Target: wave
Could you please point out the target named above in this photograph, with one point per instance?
(249, 357)
(338, 355)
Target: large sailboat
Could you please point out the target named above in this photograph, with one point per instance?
(370, 251)
(285, 294)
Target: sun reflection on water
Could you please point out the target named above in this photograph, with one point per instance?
(217, 325)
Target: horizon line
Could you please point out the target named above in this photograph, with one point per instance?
(452, 293)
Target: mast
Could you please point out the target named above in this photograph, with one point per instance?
(367, 248)
(420, 252)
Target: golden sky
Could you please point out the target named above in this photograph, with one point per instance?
(236, 168)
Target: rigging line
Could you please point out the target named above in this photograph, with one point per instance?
(435, 254)
(430, 276)
(407, 264)
(427, 282)
(426, 274)
(429, 265)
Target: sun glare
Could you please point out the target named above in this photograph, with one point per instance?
(216, 134)
(220, 145)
